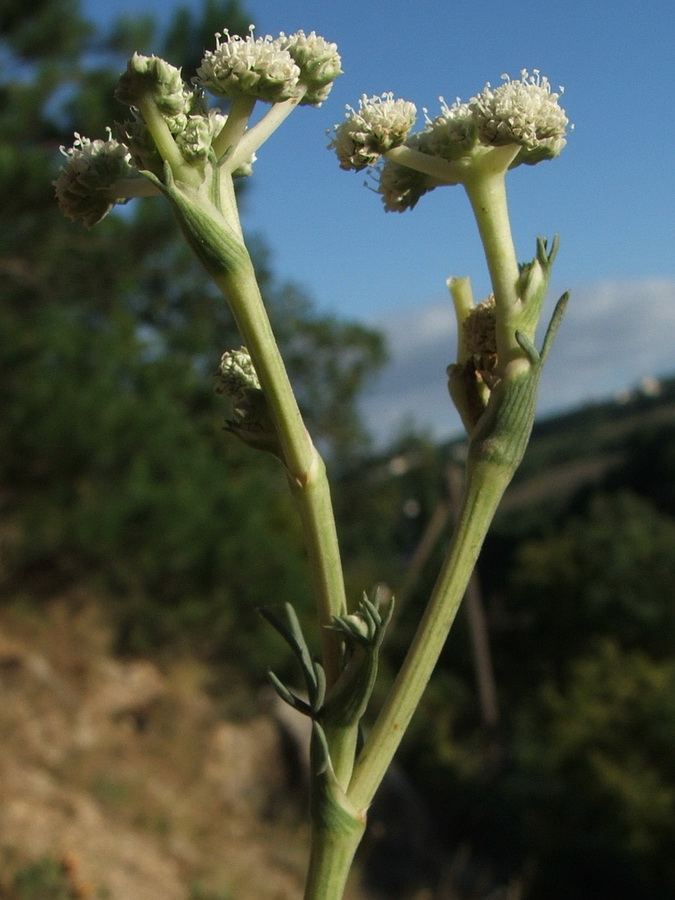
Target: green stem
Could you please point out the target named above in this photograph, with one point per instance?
(165, 143)
(334, 844)
(462, 298)
(258, 134)
(486, 189)
(306, 469)
(234, 127)
(484, 491)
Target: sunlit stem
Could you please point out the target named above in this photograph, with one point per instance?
(305, 467)
(234, 127)
(445, 171)
(126, 188)
(486, 189)
(257, 135)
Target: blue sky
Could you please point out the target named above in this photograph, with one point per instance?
(609, 195)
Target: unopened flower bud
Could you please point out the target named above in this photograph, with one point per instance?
(85, 185)
(154, 77)
(251, 422)
(379, 124)
(254, 67)
(236, 374)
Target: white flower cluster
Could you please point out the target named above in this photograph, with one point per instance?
(523, 112)
(378, 125)
(319, 63)
(85, 185)
(400, 186)
(271, 69)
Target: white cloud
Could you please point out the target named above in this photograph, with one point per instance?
(614, 334)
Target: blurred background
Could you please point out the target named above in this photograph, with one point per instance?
(142, 755)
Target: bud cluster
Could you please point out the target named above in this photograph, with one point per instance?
(236, 374)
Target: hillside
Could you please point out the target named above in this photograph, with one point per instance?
(123, 779)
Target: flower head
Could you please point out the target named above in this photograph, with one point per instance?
(524, 112)
(319, 63)
(256, 67)
(379, 124)
(85, 184)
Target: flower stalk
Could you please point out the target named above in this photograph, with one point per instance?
(175, 145)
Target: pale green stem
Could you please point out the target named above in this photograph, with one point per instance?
(126, 188)
(485, 487)
(334, 844)
(257, 135)
(462, 298)
(444, 170)
(234, 128)
(306, 469)
(165, 143)
(487, 193)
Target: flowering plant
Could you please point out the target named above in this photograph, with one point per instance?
(175, 144)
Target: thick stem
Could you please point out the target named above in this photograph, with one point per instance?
(484, 491)
(333, 847)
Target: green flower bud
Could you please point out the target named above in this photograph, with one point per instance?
(236, 374)
(154, 77)
(400, 186)
(194, 141)
(251, 423)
